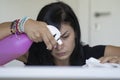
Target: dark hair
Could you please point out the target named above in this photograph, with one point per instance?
(55, 14)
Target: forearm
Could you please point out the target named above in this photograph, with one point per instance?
(23, 58)
(5, 29)
(111, 55)
(112, 51)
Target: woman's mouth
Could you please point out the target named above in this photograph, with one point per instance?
(60, 54)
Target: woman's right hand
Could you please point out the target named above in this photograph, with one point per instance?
(37, 31)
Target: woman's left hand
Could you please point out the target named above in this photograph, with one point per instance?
(110, 59)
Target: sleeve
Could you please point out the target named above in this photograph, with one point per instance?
(95, 51)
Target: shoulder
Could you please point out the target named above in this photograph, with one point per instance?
(93, 51)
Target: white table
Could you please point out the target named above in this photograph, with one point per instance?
(58, 73)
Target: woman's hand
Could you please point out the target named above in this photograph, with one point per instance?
(110, 59)
(37, 31)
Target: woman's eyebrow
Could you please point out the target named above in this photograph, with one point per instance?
(62, 35)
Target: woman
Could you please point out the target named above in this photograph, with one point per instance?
(47, 52)
(71, 52)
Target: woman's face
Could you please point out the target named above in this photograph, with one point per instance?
(64, 51)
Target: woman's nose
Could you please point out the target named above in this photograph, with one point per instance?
(59, 47)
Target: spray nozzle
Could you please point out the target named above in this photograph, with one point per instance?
(56, 33)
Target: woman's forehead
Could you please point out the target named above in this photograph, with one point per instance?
(65, 27)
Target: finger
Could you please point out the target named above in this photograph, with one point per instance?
(31, 36)
(34, 38)
(100, 58)
(118, 62)
(52, 40)
(105, 59)
(47, 42)
(38, 37)
(113, 60)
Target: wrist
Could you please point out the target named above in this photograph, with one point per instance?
(28, 24)
(17, 25)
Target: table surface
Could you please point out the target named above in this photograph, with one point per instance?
(58, 73)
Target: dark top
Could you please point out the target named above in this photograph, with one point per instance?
(96, 51)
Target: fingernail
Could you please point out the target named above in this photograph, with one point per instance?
(55, 46)
(47, 48)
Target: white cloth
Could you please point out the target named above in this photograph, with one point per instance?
(92, 62)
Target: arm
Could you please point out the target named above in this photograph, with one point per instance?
(4, 32)
(111, 55)
(112, 51)
(23, 58)
(5, 29)
(37, 31)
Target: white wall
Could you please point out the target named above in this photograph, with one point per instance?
(13, 9)
(84, 16)
(105, 29)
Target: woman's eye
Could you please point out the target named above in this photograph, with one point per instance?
(66, 36)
